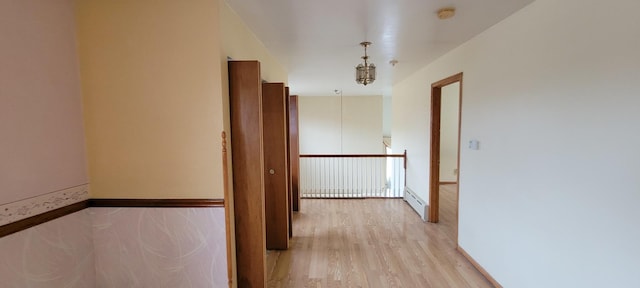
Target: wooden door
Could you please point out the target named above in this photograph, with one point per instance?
(434, 166)
(275, 160)
(245, 101)
(289, 178)
(294, 149)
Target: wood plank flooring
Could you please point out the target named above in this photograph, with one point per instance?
(448, 211)
(371, 243)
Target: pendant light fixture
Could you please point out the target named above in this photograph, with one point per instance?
(365, 72)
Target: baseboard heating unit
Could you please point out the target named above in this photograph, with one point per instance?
(419, 205)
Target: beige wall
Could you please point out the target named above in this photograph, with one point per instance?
(550, 198)
(42, 146)
(362, 125)
(152, 97)
(239, 43)
(154, 93)
(331, 125)
(319, 121)
(449, 132)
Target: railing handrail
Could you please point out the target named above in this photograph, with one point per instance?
(352, 155)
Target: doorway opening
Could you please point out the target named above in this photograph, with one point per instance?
(443, 93)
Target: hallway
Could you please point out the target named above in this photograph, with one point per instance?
(372, 243)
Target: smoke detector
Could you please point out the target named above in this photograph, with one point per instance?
(446, 13)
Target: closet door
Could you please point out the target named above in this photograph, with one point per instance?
(245, 102)
(274, 115)
(289, 178)
(294, 148)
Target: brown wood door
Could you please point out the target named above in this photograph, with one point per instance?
(294, 149)
(275, 160)
(245, 102)
(289, 178)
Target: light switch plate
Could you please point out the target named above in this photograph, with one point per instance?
(474, 145)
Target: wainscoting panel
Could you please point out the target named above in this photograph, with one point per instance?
(160, 247)
(58, 253)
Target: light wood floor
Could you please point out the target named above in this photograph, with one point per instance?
(372, 243)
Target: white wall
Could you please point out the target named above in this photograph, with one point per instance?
(42, 147)
(319, 122)
(43, 165)
(551, 93)
(326, 128)
(449, 132)
(387, 116)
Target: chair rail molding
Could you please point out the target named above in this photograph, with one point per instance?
(22, 209)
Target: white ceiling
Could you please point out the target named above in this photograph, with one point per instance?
(318, 40)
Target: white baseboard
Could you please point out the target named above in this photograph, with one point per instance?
(415, 202)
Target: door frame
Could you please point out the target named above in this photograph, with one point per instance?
(434, 166)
